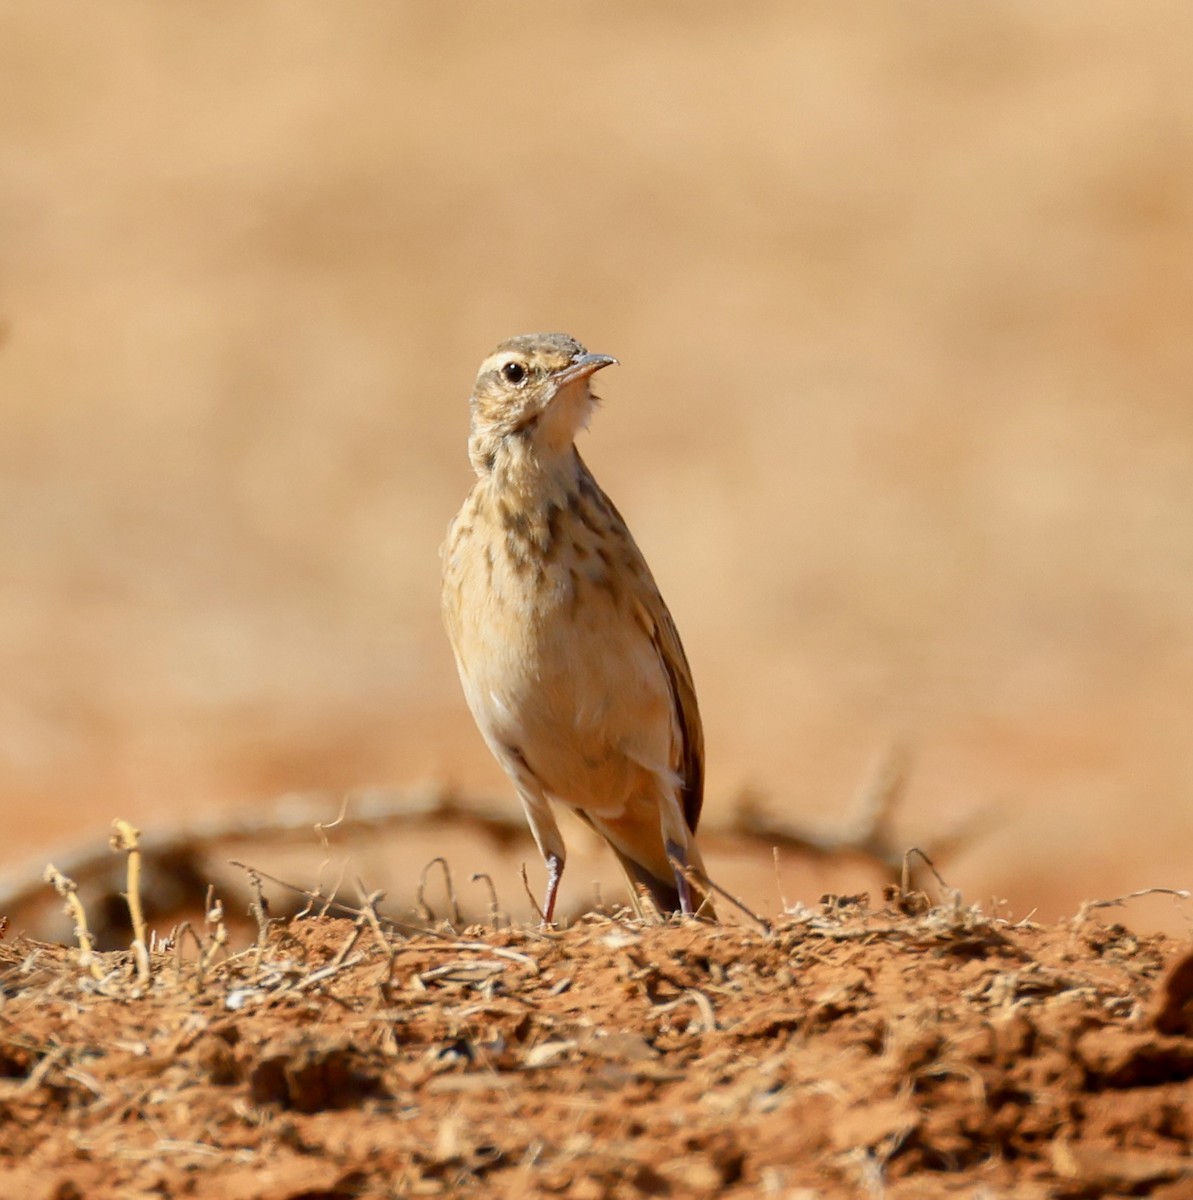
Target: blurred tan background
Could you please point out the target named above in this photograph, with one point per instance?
(904, 422)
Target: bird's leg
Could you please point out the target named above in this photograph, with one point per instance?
(678, 854)
(546, 833)
(554, 875)
(677, 841)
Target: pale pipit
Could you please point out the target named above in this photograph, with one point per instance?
(570, 661)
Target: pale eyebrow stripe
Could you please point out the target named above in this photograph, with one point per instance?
(496, 361)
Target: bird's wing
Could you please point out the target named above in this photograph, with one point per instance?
(652, 613)
(689, 764)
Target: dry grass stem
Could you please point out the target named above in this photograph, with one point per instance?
(907, 876)
(1089, 906)
(386, 946)
(337, 906)
(69, 891)
(534, 904)
(125, 837)
(259, 909)
(704, 881)
(494, 908)
(456, 920)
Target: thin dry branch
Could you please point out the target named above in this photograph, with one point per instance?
(870, 836)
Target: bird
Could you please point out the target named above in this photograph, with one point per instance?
(569, 659)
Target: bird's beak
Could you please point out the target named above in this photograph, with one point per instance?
(583, 367)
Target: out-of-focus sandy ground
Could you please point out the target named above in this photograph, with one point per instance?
(904, 422)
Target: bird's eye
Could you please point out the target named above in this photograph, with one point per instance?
(514, 373)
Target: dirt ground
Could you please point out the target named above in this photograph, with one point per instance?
(905, 1051)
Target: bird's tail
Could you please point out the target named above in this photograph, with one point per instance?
(663, 892)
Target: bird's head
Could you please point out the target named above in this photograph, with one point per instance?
(533, 391)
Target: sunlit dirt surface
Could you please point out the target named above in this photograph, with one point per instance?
(845, 1052)
(903, 420)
